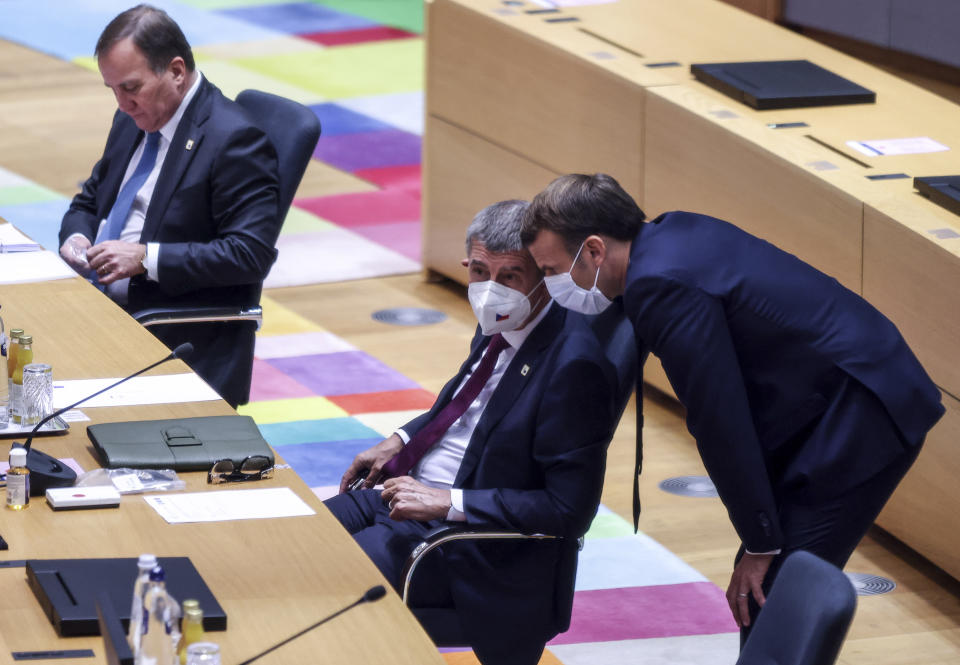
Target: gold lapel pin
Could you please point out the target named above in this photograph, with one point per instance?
(189, 144)
(524, 370)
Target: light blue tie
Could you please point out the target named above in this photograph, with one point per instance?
(117, 218)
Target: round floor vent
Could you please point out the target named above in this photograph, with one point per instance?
(871, 585)
(409, 316)
(700, 486)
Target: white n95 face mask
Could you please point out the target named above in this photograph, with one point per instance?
(570, 295)
(498, 308)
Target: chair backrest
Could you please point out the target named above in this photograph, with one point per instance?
(292, 128)
(806, 617)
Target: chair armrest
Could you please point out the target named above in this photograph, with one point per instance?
(449, 532)
(165, 316)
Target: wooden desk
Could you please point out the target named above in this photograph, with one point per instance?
(273, 577)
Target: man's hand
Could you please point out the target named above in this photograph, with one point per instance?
(747, 579)
(412, 500)
(372, 459)
(115, 259)
(74, 252)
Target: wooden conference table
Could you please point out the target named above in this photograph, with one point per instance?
(273, 577)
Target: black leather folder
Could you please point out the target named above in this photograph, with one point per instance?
(68, 588)
(944, 190)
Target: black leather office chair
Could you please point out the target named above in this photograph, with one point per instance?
(806, 617)
(294, 130)
(442, 623)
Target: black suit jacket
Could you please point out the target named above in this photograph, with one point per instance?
(535, 464)
(757, 344)
(214, 213)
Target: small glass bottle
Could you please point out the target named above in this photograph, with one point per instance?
(24, 358)
(18, 480)
(145, 564)
(192, 627)
(13, 344)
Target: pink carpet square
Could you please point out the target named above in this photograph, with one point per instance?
(271, 383)
(394, 177)
(402, 237)
(632, 613)
(357, 36)
(361, 208)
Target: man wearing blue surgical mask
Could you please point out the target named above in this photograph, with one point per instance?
(516, 440)
(806, 403)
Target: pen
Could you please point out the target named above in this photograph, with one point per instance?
(786, 125)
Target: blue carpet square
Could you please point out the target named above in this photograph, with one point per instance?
(40, 221)
(337, 120)
(323, 464)
(314, 431)
(297, 18)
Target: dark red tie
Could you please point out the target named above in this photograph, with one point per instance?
(421, 442)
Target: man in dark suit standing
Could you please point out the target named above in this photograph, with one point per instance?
(181, 209)
(806, 404)
(524, 451)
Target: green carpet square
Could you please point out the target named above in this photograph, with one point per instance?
(406, 14)
(301, 221)
(232, 79)
(361, 70)
(26, 194)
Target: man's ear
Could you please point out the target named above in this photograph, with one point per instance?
(465, 262)
(596, 248)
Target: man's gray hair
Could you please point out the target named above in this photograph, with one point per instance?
(498, 226)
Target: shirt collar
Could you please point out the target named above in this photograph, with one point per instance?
(169, 129)
(516, 338)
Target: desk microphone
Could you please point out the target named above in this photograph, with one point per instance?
(372, 594)
(47, 471)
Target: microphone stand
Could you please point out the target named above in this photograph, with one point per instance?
(47, 471)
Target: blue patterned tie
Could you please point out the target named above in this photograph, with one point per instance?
(117, 218)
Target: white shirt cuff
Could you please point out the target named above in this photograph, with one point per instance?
(403, 436)
(456, 514)
(153, 260)
(770, 553)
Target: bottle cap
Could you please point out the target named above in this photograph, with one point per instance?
(16, 332)
(26, 339)
(193, 613)
(18, 456)
(157, 574)
(190, 604)
(148, 561)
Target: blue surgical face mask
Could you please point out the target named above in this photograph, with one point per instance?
(573, 296)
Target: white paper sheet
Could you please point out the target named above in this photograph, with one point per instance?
(165, 389)
(223, 505)
(910, 146)
(12, 240)
(20, 267)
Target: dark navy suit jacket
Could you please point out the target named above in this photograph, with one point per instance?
(214, 211)
(756, 344)
(535, 463)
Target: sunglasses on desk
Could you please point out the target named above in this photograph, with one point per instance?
(255, 467)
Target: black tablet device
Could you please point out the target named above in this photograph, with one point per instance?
(781, 84)
(944, 190)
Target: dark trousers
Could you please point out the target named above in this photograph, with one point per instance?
(388, 543)
(831, 528)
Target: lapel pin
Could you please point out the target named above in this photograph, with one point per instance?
(524, 370)
(189, 144)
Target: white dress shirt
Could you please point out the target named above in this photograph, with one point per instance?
(141, 202)
(439, 465)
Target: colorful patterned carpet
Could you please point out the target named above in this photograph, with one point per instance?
(319, 400)
(357, 63)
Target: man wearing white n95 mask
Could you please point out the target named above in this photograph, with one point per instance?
(516, 440)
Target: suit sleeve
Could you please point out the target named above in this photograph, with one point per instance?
(244, 208)
(574, 424)
(687, 329)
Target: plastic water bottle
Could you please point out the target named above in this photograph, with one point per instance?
(145, 564)
(161, 614)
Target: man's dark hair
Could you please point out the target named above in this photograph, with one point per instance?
(157, 36)
(575, 206)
